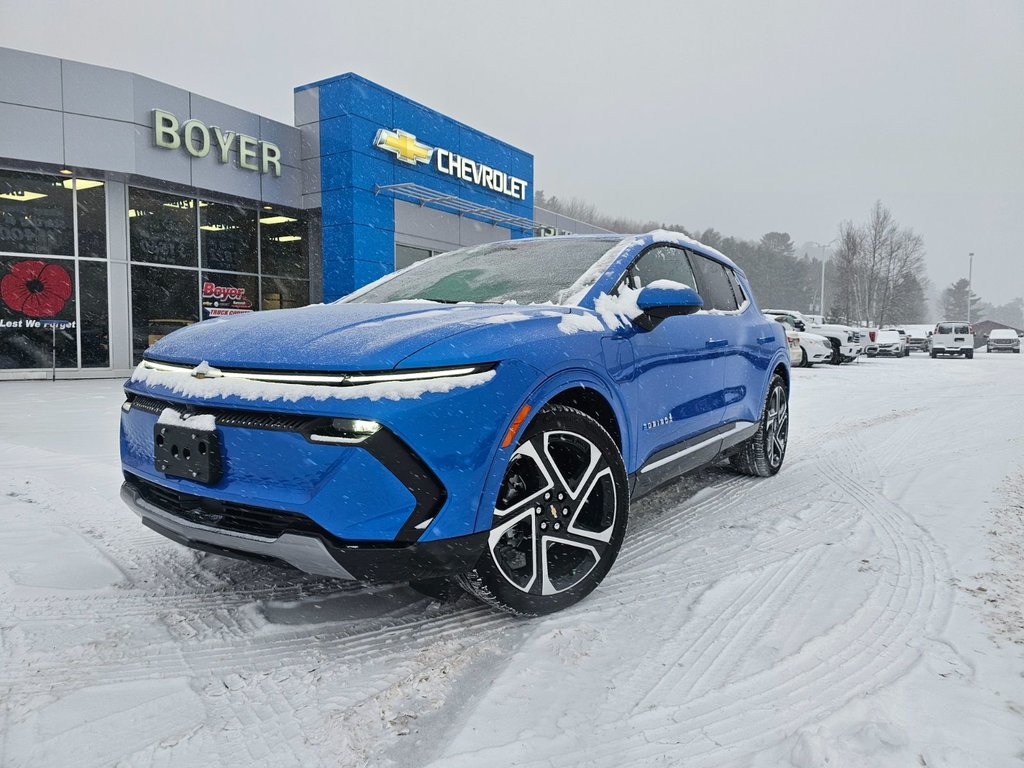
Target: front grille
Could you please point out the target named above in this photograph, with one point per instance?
(225, 515)
(228, 417)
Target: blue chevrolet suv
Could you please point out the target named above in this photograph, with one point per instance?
(483, 417)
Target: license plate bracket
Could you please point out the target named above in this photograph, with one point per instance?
(192, 454)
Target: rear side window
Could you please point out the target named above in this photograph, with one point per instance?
(661, 263)
(737, 289)
(713, 284)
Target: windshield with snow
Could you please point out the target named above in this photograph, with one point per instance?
(521, 271)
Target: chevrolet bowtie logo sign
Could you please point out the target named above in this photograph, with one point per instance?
(403, 146)
(407, 149)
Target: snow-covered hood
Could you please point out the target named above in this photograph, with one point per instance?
(345, 337)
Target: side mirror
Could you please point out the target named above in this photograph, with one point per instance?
(664, 298)
(986, 335)
(800, 325)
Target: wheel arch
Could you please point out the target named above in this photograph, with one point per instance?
(579, 388)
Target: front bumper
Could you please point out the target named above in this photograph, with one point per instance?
(309, 550)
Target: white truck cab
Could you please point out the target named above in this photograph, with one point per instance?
(952, 337)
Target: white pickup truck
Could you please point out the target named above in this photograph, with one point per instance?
(847, 343)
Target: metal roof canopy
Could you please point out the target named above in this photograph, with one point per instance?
(424, 196)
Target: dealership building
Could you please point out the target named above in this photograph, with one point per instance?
(129, 207)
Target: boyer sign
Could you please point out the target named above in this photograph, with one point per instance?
(199, 140)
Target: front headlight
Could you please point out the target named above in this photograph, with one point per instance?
(345, 431)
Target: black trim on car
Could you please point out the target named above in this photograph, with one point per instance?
(687, 455)
(400, 460)
(190, 520)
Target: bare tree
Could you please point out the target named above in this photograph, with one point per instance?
(880, 269)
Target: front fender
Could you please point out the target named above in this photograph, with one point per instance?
(582, 374)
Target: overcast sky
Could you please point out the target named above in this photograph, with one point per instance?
(746, 117)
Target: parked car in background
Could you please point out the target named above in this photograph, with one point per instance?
(903, 337)
(891, 344)
(869, 337)
(816, 348)
(917, 341)
(1003, 340)
(847, 344)
(952, 338)
(812, 347)
(484, 416)
(796, 353)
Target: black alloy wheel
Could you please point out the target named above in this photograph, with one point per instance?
(762, 454)
(559, 520)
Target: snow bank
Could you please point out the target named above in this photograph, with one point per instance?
(246, 389)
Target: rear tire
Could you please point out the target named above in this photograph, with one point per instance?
(762, 454)
(969, 354)
(559, 519)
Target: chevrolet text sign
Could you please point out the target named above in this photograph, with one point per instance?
(407, 149)
(198, 140)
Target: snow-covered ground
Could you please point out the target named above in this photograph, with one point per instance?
(864, 608)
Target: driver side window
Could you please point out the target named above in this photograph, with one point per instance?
(661, 263)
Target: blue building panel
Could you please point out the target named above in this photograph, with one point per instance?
(358, 220)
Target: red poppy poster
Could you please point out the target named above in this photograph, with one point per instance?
(35, 292)
(36, 289)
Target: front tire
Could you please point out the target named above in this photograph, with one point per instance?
(762, 454)
(559, 520)
(837, 353)
(806, 362)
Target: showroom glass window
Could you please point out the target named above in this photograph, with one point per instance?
(405, 255)
(227, 238)
(53, 288)
(284, 258)
(162, 228)
(197, 259)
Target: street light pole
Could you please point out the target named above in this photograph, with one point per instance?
(970, 270)
(824, 247)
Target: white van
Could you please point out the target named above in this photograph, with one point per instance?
(951, 337)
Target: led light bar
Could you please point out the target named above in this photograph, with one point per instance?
(323, 379)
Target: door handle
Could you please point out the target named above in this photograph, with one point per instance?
(716, 343)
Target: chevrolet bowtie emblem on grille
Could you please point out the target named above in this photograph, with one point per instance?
(206, 372)
(403, 146)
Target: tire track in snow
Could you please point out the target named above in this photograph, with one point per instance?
(872, 647)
